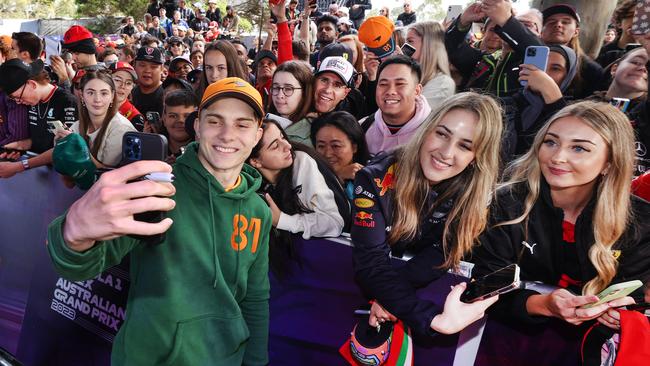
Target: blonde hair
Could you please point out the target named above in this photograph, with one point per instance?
(471, 189)
(433, 56)
(612, 210)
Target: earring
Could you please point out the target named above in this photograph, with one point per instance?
(110, 105)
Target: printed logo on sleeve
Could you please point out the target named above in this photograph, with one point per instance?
(363, 203)
(364, 219)
(387, 182)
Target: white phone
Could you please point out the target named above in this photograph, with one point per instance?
(453, 12)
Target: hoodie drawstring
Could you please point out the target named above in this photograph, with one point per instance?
(214, 236)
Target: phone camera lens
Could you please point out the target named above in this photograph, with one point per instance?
(532, 52)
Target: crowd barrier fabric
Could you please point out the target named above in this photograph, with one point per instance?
(47, 320)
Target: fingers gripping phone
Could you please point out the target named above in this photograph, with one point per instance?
(536, 56)
(138, 146)
(154, 119)
(498, 282)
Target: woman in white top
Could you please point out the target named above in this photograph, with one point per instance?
(100, 124)
(300, 198)
(428, 39)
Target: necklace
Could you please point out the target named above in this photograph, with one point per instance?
(47, 106)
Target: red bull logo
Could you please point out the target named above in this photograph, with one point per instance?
(387, 182)
(363, 215)
(363, 219)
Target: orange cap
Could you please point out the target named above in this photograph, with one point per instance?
(233, 88)
(376, 31)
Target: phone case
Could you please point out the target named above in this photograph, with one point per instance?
(614, 292)
(514, 285)
(537, 56)
(641, 20)
(151, 146)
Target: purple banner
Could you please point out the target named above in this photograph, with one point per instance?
(47, 320)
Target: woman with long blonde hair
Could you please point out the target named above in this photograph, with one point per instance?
(430, 199)
(566, 216)
(428, 39)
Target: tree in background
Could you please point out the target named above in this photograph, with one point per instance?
(36, 9)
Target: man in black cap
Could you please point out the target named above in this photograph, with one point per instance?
(562, 27)
(148, 95)
(175, 46)
(265, 64)
(29, 84)
(200, 23)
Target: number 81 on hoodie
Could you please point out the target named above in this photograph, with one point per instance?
(240, 225)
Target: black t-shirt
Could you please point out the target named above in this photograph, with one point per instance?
(62, 106)
(152, 102)
(407, 18)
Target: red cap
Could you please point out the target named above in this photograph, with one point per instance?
(76, 33)
(213, 24)
(123, 66)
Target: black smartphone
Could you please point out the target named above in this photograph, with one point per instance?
(498, 282)
(154, 119)
(138, 146)
(408, 50)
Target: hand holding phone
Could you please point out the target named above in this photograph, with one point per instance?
(498, 282)
(536, 56)
(137, 146)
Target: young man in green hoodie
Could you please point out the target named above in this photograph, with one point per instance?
(201, 296)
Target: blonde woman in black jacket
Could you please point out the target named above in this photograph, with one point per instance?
(567, 217)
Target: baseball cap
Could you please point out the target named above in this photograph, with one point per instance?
(212, 1)
(213, 24)
(123, 66)
(335, 49)
(79, 39)
(338, 65)
(71, 157)
(151, 54)
(178, 59)
(14, 73)
(194, 75)
(182, 28)
(182, 84)
(377, 34)
(265, 54)
(561, 9)
(173, 39)
(345, 20)
(233, 87)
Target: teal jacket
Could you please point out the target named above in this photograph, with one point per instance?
(200, 297)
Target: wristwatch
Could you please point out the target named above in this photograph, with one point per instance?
(25, 163)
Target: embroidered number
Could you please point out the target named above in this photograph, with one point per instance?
(240, 224)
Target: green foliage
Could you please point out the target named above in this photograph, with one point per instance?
(93, 8)
(37, 9)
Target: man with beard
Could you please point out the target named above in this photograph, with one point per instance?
(148, 96)
(326, 34)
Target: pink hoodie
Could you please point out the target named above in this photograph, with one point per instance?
(379, 137)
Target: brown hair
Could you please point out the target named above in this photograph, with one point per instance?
(84, 117)
(301, 71)
(235, 65)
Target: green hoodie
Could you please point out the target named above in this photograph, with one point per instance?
(195, 299)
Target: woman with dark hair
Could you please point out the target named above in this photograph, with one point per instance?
(340, 140)
(100, 124)
(293, 172)
(291, 91)
(220, 61)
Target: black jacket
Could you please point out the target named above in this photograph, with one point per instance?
(499, 78)
(640, 118)
(372, 214)
(503, 245)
